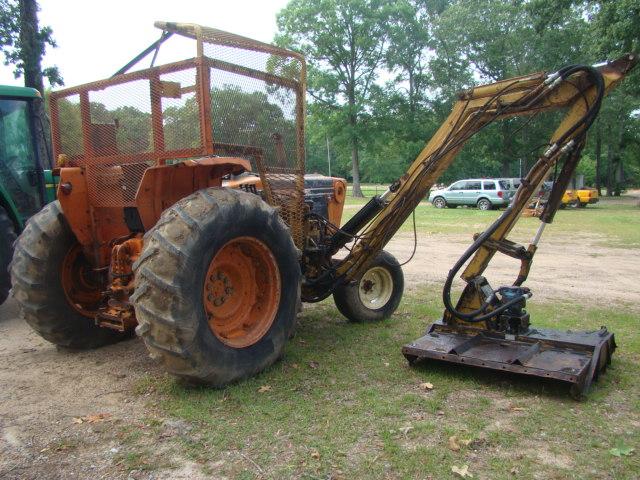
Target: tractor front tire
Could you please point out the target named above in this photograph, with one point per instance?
(375, 295)
(7, 238)
(218, 287)
(41, 253)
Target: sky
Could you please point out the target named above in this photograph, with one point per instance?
(97, 37)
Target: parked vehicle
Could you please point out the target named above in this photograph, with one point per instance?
(513, 183)
(584, 196)
(485, 193)
(569, 198)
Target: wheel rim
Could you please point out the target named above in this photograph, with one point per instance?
(242, 292)
(79, 284)
(375, 288)
(483, 205)
(439, 203)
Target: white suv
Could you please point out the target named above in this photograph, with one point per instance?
(485, 193)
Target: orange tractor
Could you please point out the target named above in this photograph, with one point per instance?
(161, 226)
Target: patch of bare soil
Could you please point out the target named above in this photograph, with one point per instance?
(562, 268)
(62, 413)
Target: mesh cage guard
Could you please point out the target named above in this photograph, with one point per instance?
(236, 97)
(220, 37)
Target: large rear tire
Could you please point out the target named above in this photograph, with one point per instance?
(375, 295)
(218, 287)
(7, 238)
(53, 286)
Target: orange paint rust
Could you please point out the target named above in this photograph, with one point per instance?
(336, 202)
(241, 292)
(164, 185)
(81, 284)
(75, 204)
(122, 257)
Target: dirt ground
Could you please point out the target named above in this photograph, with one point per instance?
(64, 414)
(562, 268)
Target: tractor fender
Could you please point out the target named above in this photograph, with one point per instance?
(164, 185)
(74, 201)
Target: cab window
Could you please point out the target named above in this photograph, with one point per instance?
(17, 155)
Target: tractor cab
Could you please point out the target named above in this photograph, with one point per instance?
(22, 178)
(22, 189)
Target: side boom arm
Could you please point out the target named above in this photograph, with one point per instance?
(579, 89)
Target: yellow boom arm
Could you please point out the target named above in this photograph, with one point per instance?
(475, 109)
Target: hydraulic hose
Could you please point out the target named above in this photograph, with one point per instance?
(473, 316)
(479, 314)
(591, 114)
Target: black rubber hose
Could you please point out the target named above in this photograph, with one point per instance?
(592, 112)
(479, 315)
(446, 291)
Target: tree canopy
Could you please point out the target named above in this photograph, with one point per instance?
(23, 43)
(403, 62)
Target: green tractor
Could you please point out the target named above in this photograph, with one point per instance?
(26, 183)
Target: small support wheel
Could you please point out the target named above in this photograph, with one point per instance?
(375, 295)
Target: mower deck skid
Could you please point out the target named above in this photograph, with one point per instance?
(573, 357)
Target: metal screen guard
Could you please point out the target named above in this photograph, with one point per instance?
(237, 97)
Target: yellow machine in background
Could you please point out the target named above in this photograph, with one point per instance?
(584, 196)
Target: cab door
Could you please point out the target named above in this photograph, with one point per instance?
(20, 172)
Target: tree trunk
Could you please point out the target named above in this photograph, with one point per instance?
(598, 154)
(355, 161)
(30, 45)
(31, 50)
(355, 158)
(412, 99)
(614, 160)
(610, 170)
(507, 153)
(618, 171)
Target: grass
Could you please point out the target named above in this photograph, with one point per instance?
(617, 221)
(345, 404)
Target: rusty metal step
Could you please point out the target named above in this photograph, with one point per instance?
(113, 322)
